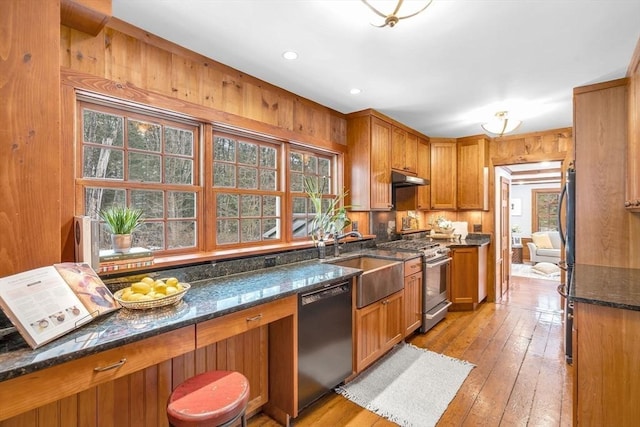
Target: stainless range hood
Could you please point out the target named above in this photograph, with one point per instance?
(399, 179)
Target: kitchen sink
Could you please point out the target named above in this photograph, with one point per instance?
(379, 278)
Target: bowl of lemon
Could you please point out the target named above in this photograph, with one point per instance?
(151, 293)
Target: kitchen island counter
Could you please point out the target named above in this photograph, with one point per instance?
(606, 286)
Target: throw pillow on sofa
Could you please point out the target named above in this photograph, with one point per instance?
(542, 241)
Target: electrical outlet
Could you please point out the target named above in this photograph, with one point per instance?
(354, 225)
(269, 261)
(477, 228)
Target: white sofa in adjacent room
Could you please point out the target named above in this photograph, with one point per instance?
(545, 247)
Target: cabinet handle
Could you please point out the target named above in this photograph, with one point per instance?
(113, 366)
(254, 318)
(414, 266)
(385, 302)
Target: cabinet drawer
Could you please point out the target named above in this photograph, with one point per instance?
(412, 266)
(41, 387)
(226, 326)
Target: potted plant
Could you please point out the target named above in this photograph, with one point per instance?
(331, 214)
(121, 221)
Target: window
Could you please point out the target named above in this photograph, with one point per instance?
(248, 196)
(316, 168)
(144, 162)
(545, 205)
(238, 190)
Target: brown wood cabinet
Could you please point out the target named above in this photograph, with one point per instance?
(424, 171)
(632, 196)
(404, 148)
(443, 175)
(412, 295)
(101, 389)
(600, 133)
(379, 326)
(369, 152)
(468, 277)
(606, 359)
(473, 173)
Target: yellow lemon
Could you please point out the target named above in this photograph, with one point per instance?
(145, 298)
(171, 290)
(148, 280)
(179, 286)
(141, 287)
(172, 281)
(160, 286)
(135, 297)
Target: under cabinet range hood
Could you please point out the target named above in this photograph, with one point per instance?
(399, 179)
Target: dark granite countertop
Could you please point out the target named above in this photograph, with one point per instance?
(205, 300)
(471, 241)
(608, 286)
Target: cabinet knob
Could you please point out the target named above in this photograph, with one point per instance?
(627, 203)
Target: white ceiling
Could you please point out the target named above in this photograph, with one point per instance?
(442, 72)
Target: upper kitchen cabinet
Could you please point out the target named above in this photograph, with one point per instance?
(632, 197)
(424, 171)
(369, 157)
(404, 149)
(473, 173)
(443, 174)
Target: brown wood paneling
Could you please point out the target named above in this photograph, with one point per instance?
(603, 226)
(29, 136)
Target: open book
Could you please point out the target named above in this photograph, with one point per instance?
(48, 302)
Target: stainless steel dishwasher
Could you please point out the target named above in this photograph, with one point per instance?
(325, 342)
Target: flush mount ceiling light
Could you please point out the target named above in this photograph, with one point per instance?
(290, 55)
(391, 19)
(501, 124)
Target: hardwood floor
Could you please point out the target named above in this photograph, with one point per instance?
(520, 378)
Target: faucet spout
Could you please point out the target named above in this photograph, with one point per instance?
(338, 237)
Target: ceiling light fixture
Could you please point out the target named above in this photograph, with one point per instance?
(501, 124)
(391, 19)
(291, 55)
(355, 91)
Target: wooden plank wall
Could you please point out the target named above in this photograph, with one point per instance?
(127, 55)
(29, 135)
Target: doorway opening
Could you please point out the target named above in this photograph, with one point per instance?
(527, 196)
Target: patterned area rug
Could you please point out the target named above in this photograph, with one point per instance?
(409, 386)
(525, 270)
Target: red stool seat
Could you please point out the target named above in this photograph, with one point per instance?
(209, 399)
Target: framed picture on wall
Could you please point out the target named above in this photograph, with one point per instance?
(516, 207)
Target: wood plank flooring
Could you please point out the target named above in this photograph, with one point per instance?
(520, 378)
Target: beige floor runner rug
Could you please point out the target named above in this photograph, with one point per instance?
(409, 386)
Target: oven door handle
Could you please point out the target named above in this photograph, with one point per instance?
(437, 264)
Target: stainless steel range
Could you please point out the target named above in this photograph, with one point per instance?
(436, 277)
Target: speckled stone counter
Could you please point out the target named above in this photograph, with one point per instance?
(207, 299)
(472, 240)
(607, 286)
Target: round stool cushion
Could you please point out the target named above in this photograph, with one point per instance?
(208, 399)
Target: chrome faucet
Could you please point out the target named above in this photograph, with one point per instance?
(336, 240)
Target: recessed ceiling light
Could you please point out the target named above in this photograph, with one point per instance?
(291, 55)
(355, 91)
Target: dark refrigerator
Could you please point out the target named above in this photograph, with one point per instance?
(568, 236)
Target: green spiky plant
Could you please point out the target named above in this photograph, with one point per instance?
(122, 219)
(330, 218)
